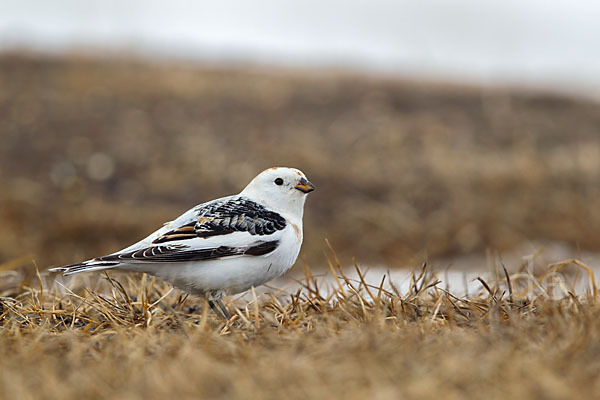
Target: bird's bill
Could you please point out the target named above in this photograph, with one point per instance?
(305, 186)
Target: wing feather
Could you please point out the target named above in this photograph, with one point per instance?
(226, 227)
(225, 216)
(178, 253)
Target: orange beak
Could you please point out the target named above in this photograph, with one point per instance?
(305, 186)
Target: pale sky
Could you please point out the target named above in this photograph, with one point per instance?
(546, 43)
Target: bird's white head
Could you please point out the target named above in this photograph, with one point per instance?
(281, 189)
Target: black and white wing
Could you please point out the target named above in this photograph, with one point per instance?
(227, 227)
(223, 217)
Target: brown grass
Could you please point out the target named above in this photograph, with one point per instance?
(140, 339)
(95, 154)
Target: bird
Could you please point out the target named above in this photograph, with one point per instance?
(224, 246)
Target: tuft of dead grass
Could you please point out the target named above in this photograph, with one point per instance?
(135, 337)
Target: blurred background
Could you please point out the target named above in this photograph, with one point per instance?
(432, 129)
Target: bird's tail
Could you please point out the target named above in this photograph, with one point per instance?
(85, 266)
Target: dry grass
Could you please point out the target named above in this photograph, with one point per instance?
(140, 339)
(94, 154)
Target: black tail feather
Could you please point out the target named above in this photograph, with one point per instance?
(91, 265)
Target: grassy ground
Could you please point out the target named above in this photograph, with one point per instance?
(139, 339)
(94, 154)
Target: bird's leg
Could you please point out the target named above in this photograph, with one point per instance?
(214, 300)
(217, 310)
(223, 309)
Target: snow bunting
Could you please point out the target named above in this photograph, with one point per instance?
(224, 246)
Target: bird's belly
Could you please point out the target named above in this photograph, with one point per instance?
(233, 275)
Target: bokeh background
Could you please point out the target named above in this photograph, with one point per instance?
(432, 130)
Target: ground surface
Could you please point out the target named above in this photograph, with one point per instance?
(96, 154)
(137, 339)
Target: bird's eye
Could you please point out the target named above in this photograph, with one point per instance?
(279, 181)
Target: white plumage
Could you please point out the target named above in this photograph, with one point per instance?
(224, 246)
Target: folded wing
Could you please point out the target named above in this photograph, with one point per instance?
(226, 216)
(228, 227)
